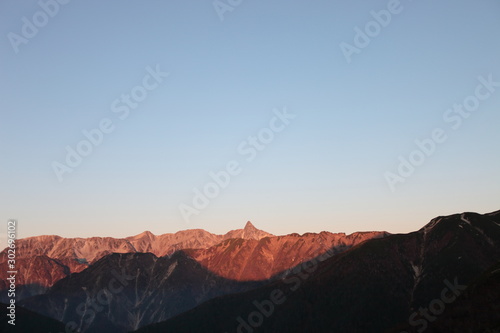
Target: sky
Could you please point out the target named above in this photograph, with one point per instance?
(124, 116)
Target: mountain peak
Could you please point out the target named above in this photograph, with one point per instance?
(249, 232)
(249, 226)
(148, 235)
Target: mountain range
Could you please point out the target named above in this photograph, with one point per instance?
(389, 284)
(251, 281)
(45, 260)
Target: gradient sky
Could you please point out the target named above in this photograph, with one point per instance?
(325, 171)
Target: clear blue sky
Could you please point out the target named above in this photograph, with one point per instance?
(324, 171)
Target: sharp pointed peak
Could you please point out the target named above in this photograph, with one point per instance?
(249, 225)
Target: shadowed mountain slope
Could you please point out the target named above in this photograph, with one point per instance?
(477, 310)
(28, 321)
(372, 287)
(122, 292)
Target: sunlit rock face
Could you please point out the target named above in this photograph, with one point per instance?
(44, 260)
(250, 259)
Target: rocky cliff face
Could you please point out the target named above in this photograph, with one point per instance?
(250, 259)
(36, 274)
